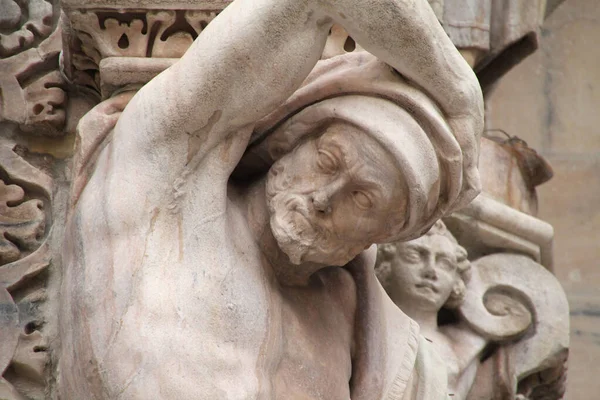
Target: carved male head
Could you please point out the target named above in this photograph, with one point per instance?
(334, 195)
(357, 134)
(430, 272)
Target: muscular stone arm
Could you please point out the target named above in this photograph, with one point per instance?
(407, 35)
(244, 64)
(257, 52)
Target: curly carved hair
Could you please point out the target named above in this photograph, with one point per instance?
(386, 253)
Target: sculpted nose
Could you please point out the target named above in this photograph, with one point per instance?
(321, 198)
(320, 201)
(428, 270)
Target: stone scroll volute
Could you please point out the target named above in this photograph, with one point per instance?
(534, 315)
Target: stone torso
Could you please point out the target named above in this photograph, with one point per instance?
(188, 296)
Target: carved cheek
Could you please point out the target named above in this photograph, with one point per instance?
(405, 275)
(447, 282)
(346, 221)
(339, 222)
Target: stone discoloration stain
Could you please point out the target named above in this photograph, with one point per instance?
(197, 138)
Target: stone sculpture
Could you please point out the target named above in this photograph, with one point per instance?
(145, 260)
(197, 266)
(424, 275)
(492, 321)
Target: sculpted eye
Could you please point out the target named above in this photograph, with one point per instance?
(446, 263)
(326, 162)
(362, 200)
(410, 255)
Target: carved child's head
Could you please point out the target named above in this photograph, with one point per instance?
(430, 272)
(334, 195)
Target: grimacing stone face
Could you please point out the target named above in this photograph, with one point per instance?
(333, 196)
(425, 272)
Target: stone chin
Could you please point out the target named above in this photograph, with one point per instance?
(296, 237)
(296, 234)
(291, 229)
(288, 242)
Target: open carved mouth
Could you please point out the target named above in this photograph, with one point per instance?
(295, 224)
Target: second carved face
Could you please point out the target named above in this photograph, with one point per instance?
(428, 273)
(425, 271)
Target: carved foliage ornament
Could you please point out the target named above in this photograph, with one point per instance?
(99, 34)
(31, 87)
(25, 194)
(22, 24)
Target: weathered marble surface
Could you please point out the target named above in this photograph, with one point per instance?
(551, 101)
(109, 50)
(184, 282)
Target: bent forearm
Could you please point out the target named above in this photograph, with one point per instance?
(257, 52)
(406, 35)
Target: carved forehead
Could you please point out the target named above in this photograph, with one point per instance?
(359, 147)
(432, 243)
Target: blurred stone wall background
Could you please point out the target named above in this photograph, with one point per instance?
(552, 101)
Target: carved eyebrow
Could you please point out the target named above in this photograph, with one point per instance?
(337, 149)
(418, 247)
(445, 254)
(373, 188)
(367, 184)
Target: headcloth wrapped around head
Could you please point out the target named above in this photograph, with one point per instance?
(358, 89)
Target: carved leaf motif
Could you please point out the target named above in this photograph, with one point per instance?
(98, 34)
(23, 219)
(38, 24)
(30, 357)
(32, 89)
(22, 223)
(45, 105)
